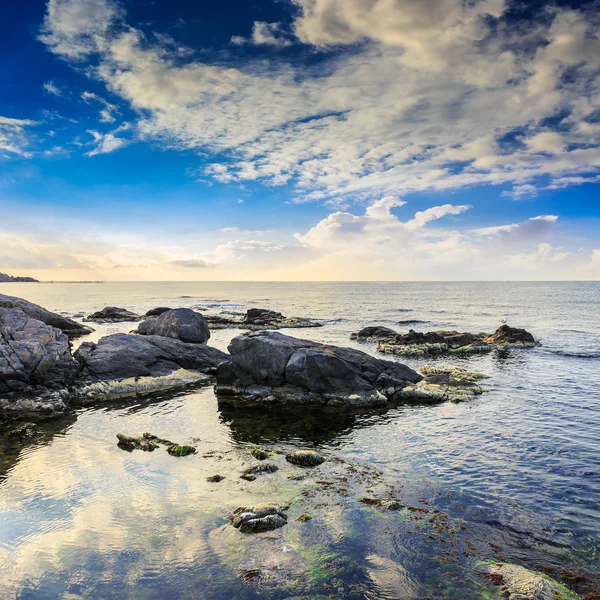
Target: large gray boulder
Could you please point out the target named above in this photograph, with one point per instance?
(271, 368)
(68, 326)
(180, 323)
(35, 362)
(113, 314)
(122, 355)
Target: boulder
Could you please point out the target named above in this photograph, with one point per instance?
(305, 458)
(112, 314)
(123, 365)
(271, 368)
(374, 334)
(512, 337)
(259, 518)
(416, 343)
(518, 583)
(68, 326)
(32, 353)
(262, 316)
(181, 324)
(156, 312)
(35, 362)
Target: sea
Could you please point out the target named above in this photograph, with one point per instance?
(514, 475)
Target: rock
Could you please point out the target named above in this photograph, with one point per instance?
(112, 314)
(156, 312)
(259, 518)
(453, 342)
(305, 458)
(130, 442)
(123, 365)
(215, 478)
(261, 469)
(512, 337)
(304, 518)
(35, 362)
(374, 334)
(518, 583)
(271, 368)
(66, 325)
(434, 342)
(444, 383)
(257, 319)
(259, 453)
(262, 316)
(181, 450)
(181, 324)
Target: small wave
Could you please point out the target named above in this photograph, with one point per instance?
(412, 322)
(573, 353)
(404, 310)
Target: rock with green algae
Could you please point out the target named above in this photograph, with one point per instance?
(261, 469)
(181, 450)
(215, 478)
(259, 518)
(305, 458)
(518, 583)
(132, 442)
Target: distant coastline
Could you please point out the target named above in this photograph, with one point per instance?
(4, 278)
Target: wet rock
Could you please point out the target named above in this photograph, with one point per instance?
(259, 319)
(259, 453)
(261, 469)
(181, 450)
(305, 458)
(215, 478)
(131, 442)
(519, 583)
(156, 312)
(418, 344)
(123, 365)
(259, 518)
(304, 518)
(374, 334)
(181, 324)
(444, 383)
(385, 503)
(512, 337)
(66, 325)
(112, 314)
(271, 368)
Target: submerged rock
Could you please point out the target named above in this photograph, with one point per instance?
(258, 319)
(305, 458)
(453, 342)
(66, 325)
(260, 470)
(444, 383)
(215, 478)
(259, 453)
(181, 450)
(259, 518)
(131, 442)
(272, 368)
(519, 583)
(112, 314)
(181, 324)
(374, 334)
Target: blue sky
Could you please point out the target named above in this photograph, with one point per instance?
(300, 139)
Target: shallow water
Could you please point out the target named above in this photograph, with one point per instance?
(518, 468)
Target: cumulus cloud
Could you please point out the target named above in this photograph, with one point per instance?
(528, 231)
(108, 142)
(193, 263)
(429, 95)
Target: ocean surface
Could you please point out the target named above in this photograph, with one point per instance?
(518, 469)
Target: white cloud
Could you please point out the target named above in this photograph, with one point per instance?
(429, 95)
(13, 136)
(108, 142)
(107, 111)
(52, 88)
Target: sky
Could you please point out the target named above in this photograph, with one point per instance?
(300, 140)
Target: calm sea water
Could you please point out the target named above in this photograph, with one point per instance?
(519, 467)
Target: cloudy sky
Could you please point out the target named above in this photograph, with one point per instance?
(300, 139)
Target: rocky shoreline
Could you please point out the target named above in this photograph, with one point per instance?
(41, 377)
